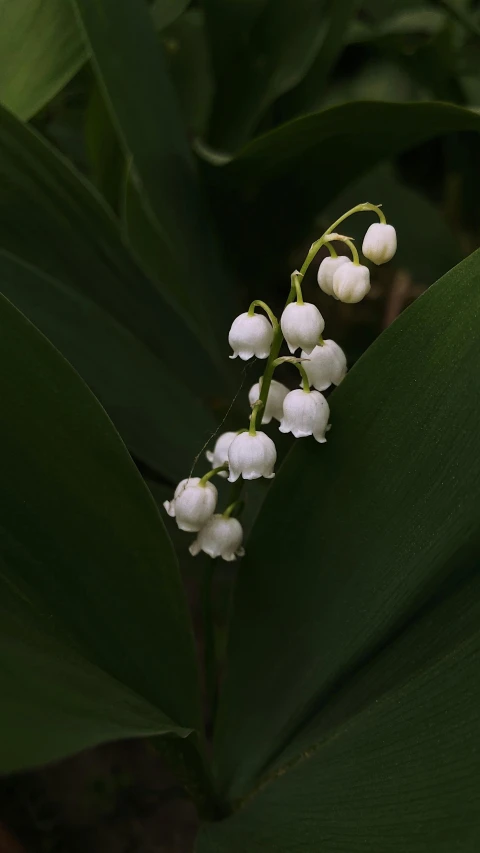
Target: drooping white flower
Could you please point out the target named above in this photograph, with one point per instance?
(250, 335)
(192, 504)
(219, 455)
(251, 457)
(326, 365)
(302, 326)
(276, 395)
(380, 243)
(351, 282)
(305, 414)
(327, 270)
(221, 537)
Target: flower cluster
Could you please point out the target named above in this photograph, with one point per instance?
(250, 453)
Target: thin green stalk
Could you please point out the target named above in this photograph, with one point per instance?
(210, 648)
(208, 476)
(315, 247)
(266, 308)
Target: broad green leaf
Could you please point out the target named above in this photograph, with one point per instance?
(229, 26)
(91, 595)
(136, 387)
(308, 94)
(144, 109)
(391, 762)
(280, 50)
(104, 156)
(358, 135)
(377, 519)
(41, 49)
(55, 703)
(188, 63)
(52, 218)
(166, 12)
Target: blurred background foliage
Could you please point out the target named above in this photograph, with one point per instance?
(160, 170)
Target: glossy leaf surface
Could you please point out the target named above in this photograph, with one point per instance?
(41, 49)
(377, 519)
(94, 621)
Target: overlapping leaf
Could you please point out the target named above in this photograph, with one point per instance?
(95, 641)
(50, 217)
(357, 136)
(144, 109)
(41, 49)
(377, 521)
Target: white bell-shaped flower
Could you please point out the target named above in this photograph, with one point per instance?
(219, 455)
(251, 457)
(302, 326)
(221, 537)
(193, 504)
(326, 365)
(250, 335)
(274, 406)
(305, 413)
(380, 243)
(327, 270)
(351, 282)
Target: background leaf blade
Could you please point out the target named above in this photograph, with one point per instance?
(41, 50)
(340, 597)
(85, 557)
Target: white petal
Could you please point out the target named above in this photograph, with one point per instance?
(380, 243)
(326, 271)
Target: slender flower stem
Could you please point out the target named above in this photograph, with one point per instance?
(208, 476)
(295, 287)
(348, 241)
(232, 506)
(268, 311)
(274, 350)
(296, 280)
(297, 362)
(253, 417)
(210, 649)
(303, 374)
(315, 247)
(331, 249)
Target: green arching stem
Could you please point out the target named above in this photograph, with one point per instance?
(295, 279)
(267, 377)
(298, 364)
(268, 311)
(232, 506)
(321, 342)
(208, 476)
(252, 430)
(303, 374)
(278, 336)
(331, 249)
(315, 247)
(349, 242)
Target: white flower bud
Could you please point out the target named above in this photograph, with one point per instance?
(219, 455)
(221, 537)
(305, 414)
(351, 282)
(251, 457)
(326, 365)
(276, 395)
(327, 270)
(250, 335)
(192, 504)
(302, 326)
(380, 243)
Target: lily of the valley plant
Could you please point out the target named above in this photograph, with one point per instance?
(249, 453)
